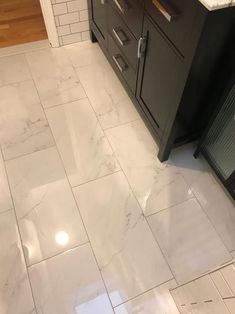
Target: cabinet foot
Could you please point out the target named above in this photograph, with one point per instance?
(93, 37)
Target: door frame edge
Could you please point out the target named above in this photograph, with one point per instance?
(49, 20)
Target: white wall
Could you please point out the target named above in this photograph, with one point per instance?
(71, 18)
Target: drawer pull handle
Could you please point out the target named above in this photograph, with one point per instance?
(141, 47)
(122, 5)
(165, 10)
(121, 36)
(120, 63)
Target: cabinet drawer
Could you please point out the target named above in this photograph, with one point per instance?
(131, 11)
(123, 37)
(176, 19)
(122, 64)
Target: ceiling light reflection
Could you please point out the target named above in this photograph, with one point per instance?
(62, 238)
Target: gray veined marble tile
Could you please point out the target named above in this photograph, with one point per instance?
(156, 185)
(188, 240)
(83, 146)
(84, 53)
(217, 205)
(54, 76)
(13, 69)
(108, 98)
(69, 283)
(127, 253)
(215, 202)
(23, 125)
(15, 293)
(155, 301)
(5, 197)
(48, 217)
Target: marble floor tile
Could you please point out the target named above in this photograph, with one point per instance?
(188, 240)
(156, 185)
(15, 293)
(69, 283)
(214, 200)
(5, 197)
(85, 53)
(23, 125)
(127, 253)
(217, 205)
(54, 76)
(13, 69)
(156, 301)
(183, 159)
(109, 99)
(83, 146)
(48, 217)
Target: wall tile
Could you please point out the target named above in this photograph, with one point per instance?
(79, 27)
(60, 8)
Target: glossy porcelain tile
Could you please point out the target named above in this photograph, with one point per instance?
(210, 194)
(127, 253)
(69, 283)
(188, 240)
(221, 284)
(218, 206)
(48, 217)
(228, 274)
(5, 197)
(85, 53)
(156, 185)
(183, 159)
(230, 303)
(108, 98)
(83, 146)
(15, 293)
(13, 69)
(23, 125)
(156, 301)
(54, 76)
(200, 296)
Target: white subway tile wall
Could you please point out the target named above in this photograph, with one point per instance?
(71, 19)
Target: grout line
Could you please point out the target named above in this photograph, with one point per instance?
(211, 223)
(140, 207)
(177, 204)
(20, 239)
(86, 182)
(31, 153)
(121, 124)
(57, 254)
(79, 213)
(140, 294)
(62, 104)
(173, 276)
(6, 210)
(206, 168)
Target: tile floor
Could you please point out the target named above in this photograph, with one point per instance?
(90, 221)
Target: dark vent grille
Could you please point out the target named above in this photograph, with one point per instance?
(219, 143)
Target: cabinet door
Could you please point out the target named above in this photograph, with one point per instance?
(99, 18)
(160, 77)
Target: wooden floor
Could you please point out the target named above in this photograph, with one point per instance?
(21, 21)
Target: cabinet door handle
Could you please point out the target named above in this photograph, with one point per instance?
(102, 1)
(118, 33)
(122, 5)
(120, 63)
(141, 47)
(165, 10)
